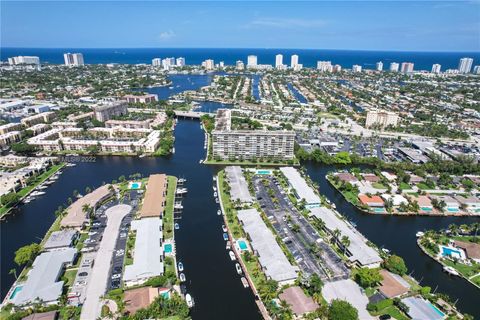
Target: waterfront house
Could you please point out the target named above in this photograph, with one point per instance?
(397, 199)
(451, 205)
(370, 177)
(140, 298)
(298, 301)
(471, 204)
(346, 177)
(471, 249)
(154, 201)
(50, 315)
(371, 201)
(425, 204)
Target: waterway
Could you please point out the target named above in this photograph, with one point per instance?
(211, 276)
(398, 235)
(300, 98)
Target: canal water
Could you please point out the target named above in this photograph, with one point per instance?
(398, 235)
(211, 276)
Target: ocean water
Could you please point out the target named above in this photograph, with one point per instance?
(307, 57)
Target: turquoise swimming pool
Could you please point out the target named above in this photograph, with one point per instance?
(452, 209)
(425, 209)
(165, 294)
(242, 245)
(264, 171)
(450, 252)
(440, 313)
(135, 185)
(379, 210)
(168, 248)
(15, 291)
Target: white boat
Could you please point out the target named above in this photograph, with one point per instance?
(215, 194)
(219, 212)
(224, 228)
(200, 161)
(181, 190)
(228, 246)
(245, 282)
(182, 180)
(178, 206)
(180, 266)
(386, 250)
(232, 255)
(37, 193)
(419, 234)
(216, 200)
(182, 277)
(177, 226)
(189, 300)
(239, 269)
(450, 270)
(214, 188)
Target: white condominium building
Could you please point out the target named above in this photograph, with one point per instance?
(208, 64)
(157, 62)
(73, 59)
(294, 62)
(465, 65)
(278, 61)
(24, 60)
(379, 66)
(407, 67)
(381, 118)
(231, 144)
(324, 66)
(104, 112)
(394, 66)
(251, 61)
(146, 98)
(436, 68)
(239, 65)
(356, 68)
(180, 62)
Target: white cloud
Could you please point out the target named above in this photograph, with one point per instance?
(166, 35)
(286, 23)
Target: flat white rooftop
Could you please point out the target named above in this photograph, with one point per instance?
(274, 262)
(147, 261)
(302, 189)
(238, 184)
(358, 247)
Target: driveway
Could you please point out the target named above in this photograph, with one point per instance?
(97, 285)
(349, 291)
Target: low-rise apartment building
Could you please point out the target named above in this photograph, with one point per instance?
(381, 118)
(43, 117)
(146, 98)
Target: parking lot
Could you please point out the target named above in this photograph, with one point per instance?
(302, 240)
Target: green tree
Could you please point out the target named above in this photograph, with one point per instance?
(342, 310)
(396, 265)
(26, 254)
(367, 277)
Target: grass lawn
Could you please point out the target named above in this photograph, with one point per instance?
(465, 270)
(69, 277)
(231, 213)
(404, 186)
(476, 280)
(254, 270)
(169, 264)
(168, 216)
(80, 241)
(378, 185)
(423, 186)
(394, 312)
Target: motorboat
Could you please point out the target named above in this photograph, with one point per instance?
(450, 271)
(225, 236)
(216, 200)
(419, 234)
(224, 228)
(215, 194)
(219, 212)
(232, 255)
(239, 269)
(189, 300)
(182, 277)
(180, 266)
(245, 282)
(177, 226)
(229, 245)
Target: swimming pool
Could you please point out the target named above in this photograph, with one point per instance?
(452, 209)
(264, 171)
(134, 185)
(440, 313)
(168, 248)
(15, 291)
(379, 210)
(242, 245)
(425, 209)
(165, 294)
(447, 251)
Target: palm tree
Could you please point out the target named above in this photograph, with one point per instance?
(475, 227)
(345, 243)
(453, 228)
(14, 272)
(336, 234)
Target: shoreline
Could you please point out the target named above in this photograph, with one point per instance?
(400, 214)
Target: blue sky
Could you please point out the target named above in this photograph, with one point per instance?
(375, 25)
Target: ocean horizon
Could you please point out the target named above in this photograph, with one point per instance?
(423, 60)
